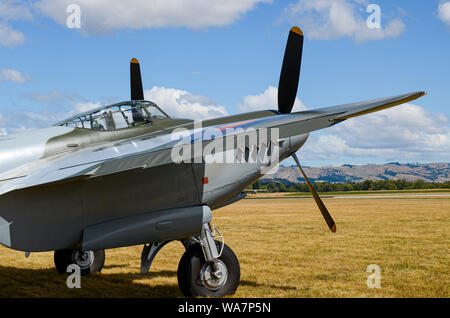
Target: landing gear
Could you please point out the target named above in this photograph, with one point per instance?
(89, 261)
(208, 268)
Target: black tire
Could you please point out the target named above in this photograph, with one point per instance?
(63, 258)
(190, 266)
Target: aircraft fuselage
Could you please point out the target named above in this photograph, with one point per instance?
(53, 215)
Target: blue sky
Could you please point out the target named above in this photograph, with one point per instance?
(205, 58)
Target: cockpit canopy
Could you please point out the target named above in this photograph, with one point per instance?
(117, 116)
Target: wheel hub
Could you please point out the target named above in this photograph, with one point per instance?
(214, 275)
(84, 259)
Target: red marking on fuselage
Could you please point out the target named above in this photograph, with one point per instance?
(239, 123)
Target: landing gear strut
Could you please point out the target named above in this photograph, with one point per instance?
(88, 261)
(208, 267)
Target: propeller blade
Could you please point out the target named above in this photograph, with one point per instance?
(322, 208)
(290, 71)
(137, 93)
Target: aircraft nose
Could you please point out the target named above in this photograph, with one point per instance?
(21, 149)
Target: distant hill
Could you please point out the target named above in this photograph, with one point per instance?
(431, 172)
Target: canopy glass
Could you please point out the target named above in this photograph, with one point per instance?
(117, 116)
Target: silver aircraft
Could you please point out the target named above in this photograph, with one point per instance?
(111, 177)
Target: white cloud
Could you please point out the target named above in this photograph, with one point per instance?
(330, 19)
(406, 133)
(103, 16)
(182, 104)
(10, 37)
(393, 29)
(266, 100)
(84, 107)
(12, 10)
(444, 12)
(9, 75)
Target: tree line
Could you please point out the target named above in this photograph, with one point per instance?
(283, 186)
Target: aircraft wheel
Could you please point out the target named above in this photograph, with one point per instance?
(196, 277)
(89, 261)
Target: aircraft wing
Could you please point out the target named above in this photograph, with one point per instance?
(149, 151)
(316, 119)
(310, 120)
(361, 108)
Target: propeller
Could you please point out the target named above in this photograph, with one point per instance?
(322, 208)
(287, 91)
(290, 71)
(137, 93)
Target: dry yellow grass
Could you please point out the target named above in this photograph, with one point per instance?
(285, 250)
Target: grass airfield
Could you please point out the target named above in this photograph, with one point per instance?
(285, 250)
